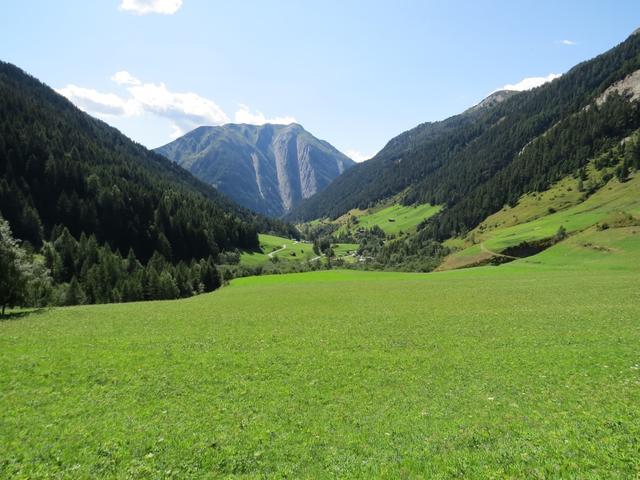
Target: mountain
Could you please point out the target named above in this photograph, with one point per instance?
(268, 168)
(111, 220)
(59, 166)
(398, 165)
(492, 100)
(489, 156)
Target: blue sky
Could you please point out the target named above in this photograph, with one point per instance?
(354, 73)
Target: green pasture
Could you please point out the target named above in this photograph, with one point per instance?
(527, 370)
(396, 218)
(271, 243)
(498, 233)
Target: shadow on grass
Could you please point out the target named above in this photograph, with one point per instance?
(17, 315)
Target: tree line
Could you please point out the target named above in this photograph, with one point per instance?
(72, 272)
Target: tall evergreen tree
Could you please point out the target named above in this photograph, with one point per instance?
(75, 293)
(21, 280)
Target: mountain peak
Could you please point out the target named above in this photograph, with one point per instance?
(492, 100)
(268, 168)
(258, 126)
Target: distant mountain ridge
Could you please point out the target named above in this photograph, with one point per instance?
(475, 163)
(268, 168)
(492, 100)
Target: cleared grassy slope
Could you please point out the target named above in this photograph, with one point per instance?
(528, 370)
(392, 219)
(398, 218)
(283, 248)
(531, 219)
(272, 243)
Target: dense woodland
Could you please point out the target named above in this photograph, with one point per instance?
(73, 188)
(478, 161)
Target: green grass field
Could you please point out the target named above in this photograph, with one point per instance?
(303, 251)
(527, 370)
(342, 249)
(398, 218)
(392, 219)
(613, 198)
(272, 243)
(530, 220)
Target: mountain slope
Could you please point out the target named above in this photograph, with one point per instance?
(601, 196)
(268, 168)
(476, 162)
(399, 164)
(59, 167)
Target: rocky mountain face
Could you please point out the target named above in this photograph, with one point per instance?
(267, 168)
(492, 100)
(629, 86)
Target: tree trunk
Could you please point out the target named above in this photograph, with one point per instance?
(3, 307)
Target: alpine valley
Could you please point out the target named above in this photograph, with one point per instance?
(246, 302)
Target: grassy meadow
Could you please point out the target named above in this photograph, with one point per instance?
(392, 219)
(537, 217)
(287, 249)
(527, 370)
(397, 218)
(280, 247)
(345, 249)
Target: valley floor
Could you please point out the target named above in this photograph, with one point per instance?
(527, 370)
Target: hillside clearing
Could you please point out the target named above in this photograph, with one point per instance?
(392, 219)
(397, 218)
(274, 246)
(534, 219)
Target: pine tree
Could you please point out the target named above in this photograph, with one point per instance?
(132, 263)
(210, 277)
(31, 225)
(75, 294)
(622, 171)
(167, 286)
(152, 290)
(66, 246)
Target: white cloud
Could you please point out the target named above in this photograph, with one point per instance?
(185, 110)
(357, 156)
(176, 133)
(244, 115)
(568, 42)
(143, 7)
(529, 83)
(100, 104)
(125, 78)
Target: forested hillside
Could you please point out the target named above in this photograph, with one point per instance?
(91, 196)
(478, 161)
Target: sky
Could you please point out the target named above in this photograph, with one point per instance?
(352, 72)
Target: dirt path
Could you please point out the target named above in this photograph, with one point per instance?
(496, 254)
(284, 247)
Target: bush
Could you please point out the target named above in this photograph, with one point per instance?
(561, 234)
